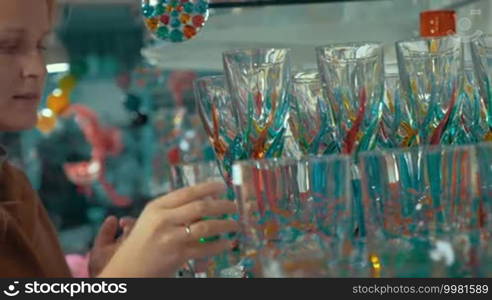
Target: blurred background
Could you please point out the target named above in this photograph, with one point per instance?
(127, 100)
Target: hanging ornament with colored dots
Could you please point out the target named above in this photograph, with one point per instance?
(175, 20)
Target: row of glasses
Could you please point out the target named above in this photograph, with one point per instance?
(433, 96)
(245, 111)
(446, 95)
(417, 101)
(418, 199)
(424, 190)
(426, 210)
(427, 103)
(430, 97)
(345, 102)
(258, 86)
(408, 212)
(449, 77)
(396, 130)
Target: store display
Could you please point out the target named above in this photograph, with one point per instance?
(343, 159)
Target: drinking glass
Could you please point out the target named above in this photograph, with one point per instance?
(284, 203)
(311, 119)
(481, 50)
(185, 175)
(353, 77)
(430, 70)
(217, 113)
(258, 81)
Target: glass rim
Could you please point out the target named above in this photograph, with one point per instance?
(482, 144)
(432, 149)
(379, 44)
(212, 79)
(194, 164)
(209, 77)
(265, 161)
(326, 158)
(424, 39)
(391, 75)
(292, 161)
(425, 54)
(336, 61)
(241, 50)
(484, 37)
(314, 71)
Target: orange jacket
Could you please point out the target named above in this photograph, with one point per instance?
(29, 246)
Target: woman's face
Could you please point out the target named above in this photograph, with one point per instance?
(23, 26)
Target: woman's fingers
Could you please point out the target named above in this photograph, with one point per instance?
(186, 195)
(197, 210)
(107, 232)
(126, 223)
(209, 228)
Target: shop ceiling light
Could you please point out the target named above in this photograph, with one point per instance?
(58, 68)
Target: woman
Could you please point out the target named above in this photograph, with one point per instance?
(168, 230)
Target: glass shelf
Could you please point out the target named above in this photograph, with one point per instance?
(303, 27)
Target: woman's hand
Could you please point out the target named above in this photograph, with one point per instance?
(106, 242)
(167, 233)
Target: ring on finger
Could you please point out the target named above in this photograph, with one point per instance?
(187, 230)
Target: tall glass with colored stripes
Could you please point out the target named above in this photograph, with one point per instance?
(353, 78)
(430, 75)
